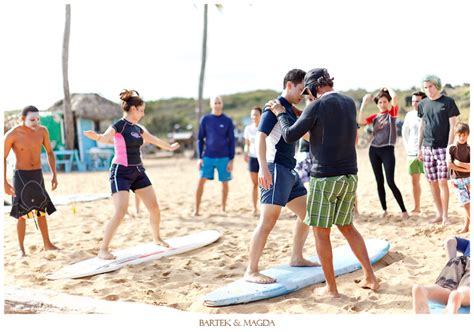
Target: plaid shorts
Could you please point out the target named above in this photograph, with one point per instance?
(331, 201)
(434, 161)
(462, 186)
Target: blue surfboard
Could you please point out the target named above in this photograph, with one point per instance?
(437, 308)
(290, 279)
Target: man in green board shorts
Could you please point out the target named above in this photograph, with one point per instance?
(410, 132)
(331, 121)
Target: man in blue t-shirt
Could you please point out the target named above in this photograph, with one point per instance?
(216, 150)
(279, 183)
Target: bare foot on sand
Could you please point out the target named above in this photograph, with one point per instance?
(437, 220)
(445, 221)
(258, 278)
(302, 262)
(368, 284)
(195, 213)
(21, 253)
(51, 246)
(255, 213)
(405, 215)
(465, 229)
(415, 211)
(325, 291)
(162, 243)
(105, 254)
(384, 214)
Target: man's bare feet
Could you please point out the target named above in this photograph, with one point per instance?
(302, 262)
(405, 215)
(368, 284)
(258, 278)
(51, 246)
(21, 253)
(255, 213)
(416, 211)
(465, 229)
(437, 220)
(384, 214)
(445, 221)
(195, 213)
(105, 254)
(325, 291)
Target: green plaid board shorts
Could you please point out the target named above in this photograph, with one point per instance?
(331, 201)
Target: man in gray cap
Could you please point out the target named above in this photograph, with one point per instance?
(331, 121)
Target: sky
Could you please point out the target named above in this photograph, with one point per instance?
(155, 48)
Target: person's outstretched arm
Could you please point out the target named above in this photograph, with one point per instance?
(102, 138)
(365, 101)
(149, 138)
(292, 133)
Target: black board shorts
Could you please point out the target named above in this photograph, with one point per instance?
(30, 194)
(128, 177)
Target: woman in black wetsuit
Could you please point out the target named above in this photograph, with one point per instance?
(127, 171)
(382, 147)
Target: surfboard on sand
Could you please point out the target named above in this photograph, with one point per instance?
(438, 308)
(290, 279)
(136, 255)
(67, 199)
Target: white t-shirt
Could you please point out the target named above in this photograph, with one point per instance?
(250, 132)
(410, 128)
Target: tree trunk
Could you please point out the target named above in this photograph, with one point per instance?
(68, 116)
(201, 77)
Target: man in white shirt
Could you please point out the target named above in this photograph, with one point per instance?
(410, 133)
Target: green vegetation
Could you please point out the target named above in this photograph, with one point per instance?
(162, 115)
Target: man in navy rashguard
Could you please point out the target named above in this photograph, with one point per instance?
(216, 149)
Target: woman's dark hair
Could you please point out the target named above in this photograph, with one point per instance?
(257, 109)
(130, 98)
(382, 93)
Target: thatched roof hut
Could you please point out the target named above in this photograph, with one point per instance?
(90, 106)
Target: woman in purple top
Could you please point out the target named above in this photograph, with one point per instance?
(127, 171)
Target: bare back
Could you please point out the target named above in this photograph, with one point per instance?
(26, 144)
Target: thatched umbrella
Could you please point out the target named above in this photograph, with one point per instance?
(90, 106)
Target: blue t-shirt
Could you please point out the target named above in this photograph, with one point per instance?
(278, 151)
(464, 246)
(216, 137)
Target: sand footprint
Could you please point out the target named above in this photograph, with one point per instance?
(111, 297)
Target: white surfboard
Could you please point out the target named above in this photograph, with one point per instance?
(290, 279)
(136, 255)
(68, 199)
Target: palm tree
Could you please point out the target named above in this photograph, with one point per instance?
(203, 69)
(68, 117)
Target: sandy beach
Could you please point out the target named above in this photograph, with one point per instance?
(416, 254)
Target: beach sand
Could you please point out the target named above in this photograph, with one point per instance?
(416, 254)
